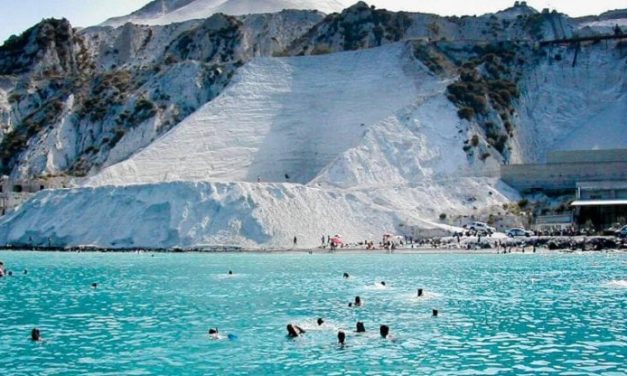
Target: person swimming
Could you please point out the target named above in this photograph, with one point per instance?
(435, 313)
(357, 302)
(294, 331)
(35, 335)
(420, 293)
(320, 321)
(214, 333)
(230, 272)
(383, 283)
(360, 327)
(341, 338)
(94, 285)
(384, 330)
(346, 275)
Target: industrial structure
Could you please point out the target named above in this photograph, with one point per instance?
(596, 180)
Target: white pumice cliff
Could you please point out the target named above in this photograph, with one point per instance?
(255, 127)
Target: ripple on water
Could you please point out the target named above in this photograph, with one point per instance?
(622, 283)
(150, 315)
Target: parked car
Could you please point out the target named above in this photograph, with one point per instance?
(480, 227)
(519, 232)
(612, 230)
(622, 233)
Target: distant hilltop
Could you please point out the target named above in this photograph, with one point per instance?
(163, 12)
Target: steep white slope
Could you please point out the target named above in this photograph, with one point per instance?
(370, 132)
(252, 215)
(564, 107)
(199, 9)
(282, 116)
(421, 144)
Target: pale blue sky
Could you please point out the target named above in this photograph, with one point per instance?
(18, 15)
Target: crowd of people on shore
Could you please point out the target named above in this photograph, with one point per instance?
(504, 245)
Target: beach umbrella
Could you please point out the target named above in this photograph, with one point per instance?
(337, 240)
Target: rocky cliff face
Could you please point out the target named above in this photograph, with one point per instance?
(362, 26)
(404, 137)
(72, 102)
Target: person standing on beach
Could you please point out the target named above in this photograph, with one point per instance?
(295, 241)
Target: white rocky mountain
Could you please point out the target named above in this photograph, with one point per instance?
(164, 12)
(252, 129)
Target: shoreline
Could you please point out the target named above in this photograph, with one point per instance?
(464, 245)
(346, 251)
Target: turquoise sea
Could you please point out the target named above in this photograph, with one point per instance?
(149, 315)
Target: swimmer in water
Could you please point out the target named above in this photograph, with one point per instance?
(435, 313)
(94, 285)
(382, 283)
(384, 330)
(346, 275)
(214, 333)
(294, 331)
(357, 301)
(420, 293)
(360, 327)
(320, 321)
(35, 335)
(341, 337)
(230, 272)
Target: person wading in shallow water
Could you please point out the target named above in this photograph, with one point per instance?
(360, 327)
(384, 330)
(341, 338)
(35, 335)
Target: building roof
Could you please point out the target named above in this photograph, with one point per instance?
(599, 202)
(586, 156)
(602, 185)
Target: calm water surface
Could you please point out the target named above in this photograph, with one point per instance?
(499, 314)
